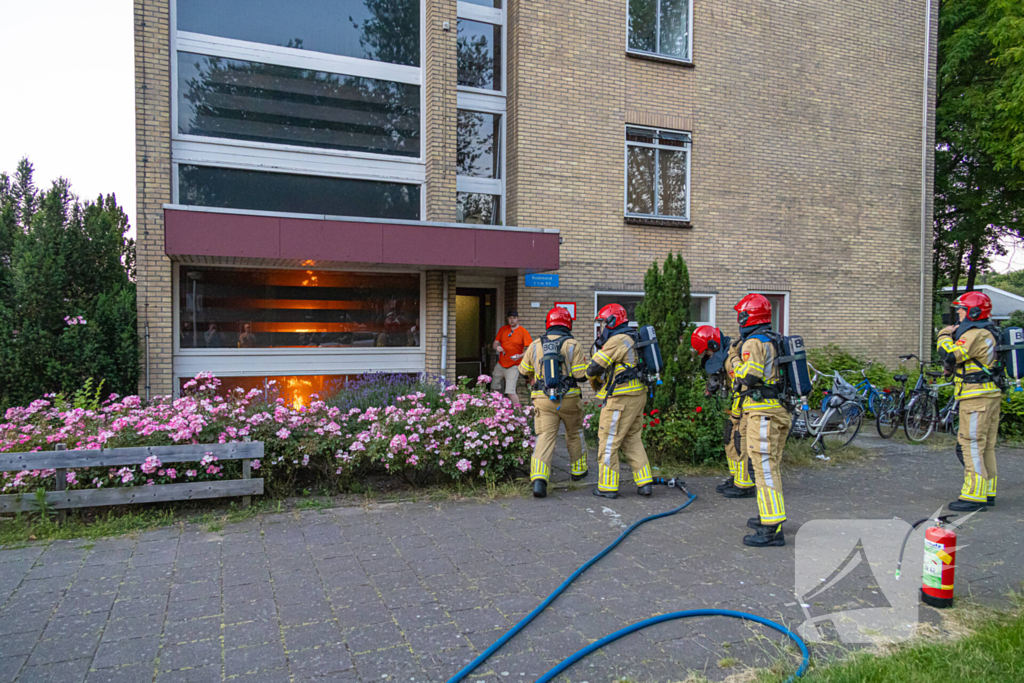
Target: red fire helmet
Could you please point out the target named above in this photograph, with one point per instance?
(753, 309)
(559, 316)
(612, 315)
(706, 338)
(978, 305)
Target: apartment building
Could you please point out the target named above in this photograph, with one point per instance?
(332, 187)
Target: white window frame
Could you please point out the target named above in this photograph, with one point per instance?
(785, 303)
(713, 300)
(657, 32)
(657, 171)
(487, 102)
(297, 159)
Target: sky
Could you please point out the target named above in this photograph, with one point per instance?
(69, 94)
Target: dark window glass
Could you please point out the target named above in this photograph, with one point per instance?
(496, 4)
(240, 100)
(478, 144)
(250, 309)
(660, 27)
(656, 177)
(479, 52)
(627, 301)
(483, 209)
(382, 30)
(640, 177)
(259, 191)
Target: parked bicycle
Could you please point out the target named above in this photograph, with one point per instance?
(867, 393)
(949, 416)
(837, 424)
(917, 409)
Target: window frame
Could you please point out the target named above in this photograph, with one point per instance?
(713, 300)
(657, 33)
(266, 156)
(657, 172)
(487, 102)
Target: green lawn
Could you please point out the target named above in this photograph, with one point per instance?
(993, 653)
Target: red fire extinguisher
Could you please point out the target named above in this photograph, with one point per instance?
(939, 566)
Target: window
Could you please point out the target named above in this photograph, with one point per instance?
(480, 158)
(702, 306)
(702, 309)
(780, 310)
(296, 390)
(327, 93)
(381, 30)
(657, 173)
(660, 27)
(262, 191)
(227, 308)
(242, 100)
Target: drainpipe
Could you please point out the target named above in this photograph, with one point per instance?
(147, 351)
(444, 323)
(924, 165)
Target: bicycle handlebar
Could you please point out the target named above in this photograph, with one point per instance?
(908, 357)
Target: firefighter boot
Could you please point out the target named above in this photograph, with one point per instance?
(726, 483)
(644, 490)
(754, 523)
(540, 488)
(577, 477)
(961, 505)
(991, 502)
(767, 535)
(740, 492)
(605, 494)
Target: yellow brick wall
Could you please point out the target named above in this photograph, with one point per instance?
(153, 184)
(805, 170)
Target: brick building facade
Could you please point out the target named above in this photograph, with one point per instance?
(776, 146)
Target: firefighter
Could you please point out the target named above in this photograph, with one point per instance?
(625, 396)
(567, 410)
(719, 358)
(758, 383)
(970, 349)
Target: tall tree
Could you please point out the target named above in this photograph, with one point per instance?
(979, 170)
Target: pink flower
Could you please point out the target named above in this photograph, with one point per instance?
(71, 478)
(152, 464)
(283, 433)
(172, 473)
(464, 465)
(484, 379)
(190, 473)
(255, 464)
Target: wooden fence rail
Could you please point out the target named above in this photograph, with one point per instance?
(62, 460)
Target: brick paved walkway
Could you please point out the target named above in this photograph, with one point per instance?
(411, 592)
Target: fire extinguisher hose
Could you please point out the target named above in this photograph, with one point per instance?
(569, 661)
(944, 519)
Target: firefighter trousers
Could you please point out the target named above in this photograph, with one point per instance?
(547, 416)
(622, 419)
(766, 437)
(735, 452)
(979, 426)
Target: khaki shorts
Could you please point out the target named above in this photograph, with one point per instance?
(505, 378)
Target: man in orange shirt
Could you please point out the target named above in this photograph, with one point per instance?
(510, 344)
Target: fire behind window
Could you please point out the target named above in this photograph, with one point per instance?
(297, 391)
(249, 308)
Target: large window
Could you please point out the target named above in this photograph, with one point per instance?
(313, 89)
(702, 306)
(242, 100)
(480, 158)
(226, 308)
(381, 30)
(660, 27)
(261, 191)
(657, 173)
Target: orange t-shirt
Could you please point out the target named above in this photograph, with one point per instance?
(513, 343)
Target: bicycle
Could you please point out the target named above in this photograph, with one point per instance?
(949, 416)
(866, 391)
(916, 409)
(838, 423)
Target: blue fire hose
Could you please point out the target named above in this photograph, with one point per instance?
(566, 663)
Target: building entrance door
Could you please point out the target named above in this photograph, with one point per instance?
(475, 320)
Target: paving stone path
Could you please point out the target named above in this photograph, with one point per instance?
(411, 592)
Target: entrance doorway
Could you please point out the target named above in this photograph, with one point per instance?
(476, 316)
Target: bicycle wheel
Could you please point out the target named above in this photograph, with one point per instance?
(843, 425)
(921, 417)
(887, 417)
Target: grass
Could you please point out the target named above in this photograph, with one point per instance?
(976, 644)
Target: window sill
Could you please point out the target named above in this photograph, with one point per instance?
(659, 222)
(660, 58)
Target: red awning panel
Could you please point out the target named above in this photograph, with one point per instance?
(198, 233)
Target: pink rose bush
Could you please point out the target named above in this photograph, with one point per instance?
(459, 433)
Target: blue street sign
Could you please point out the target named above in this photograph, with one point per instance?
(542, 279)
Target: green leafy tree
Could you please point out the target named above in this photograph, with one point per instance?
(67, 293)
(979, 169)
(666, 306)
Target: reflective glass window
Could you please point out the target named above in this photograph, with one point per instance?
(495, 4)
(657, 178)
(231, 188)
(660, 27)
(483, 209)
(382, 30)
(229, 308)
(479, 55)
(478, 144)
(242, 100)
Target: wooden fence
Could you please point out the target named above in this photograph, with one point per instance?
(62, 460)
